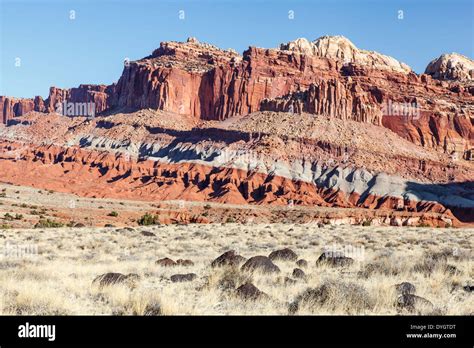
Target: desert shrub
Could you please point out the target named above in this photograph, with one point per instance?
(367, 223)
(331, 295)
(48, 224)
(138, 304)
(113, 214)
(8, 217)
(384, 265)
(231, 278)
(148, 219)
(432, 261)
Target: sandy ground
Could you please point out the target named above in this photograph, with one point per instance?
(50, 271)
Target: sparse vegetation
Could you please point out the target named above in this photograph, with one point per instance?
(62, 285)
(48, 224)
(8, 217)
(148, 219)
(113, 214)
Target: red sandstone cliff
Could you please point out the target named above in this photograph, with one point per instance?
(98, 94)
(329, 76)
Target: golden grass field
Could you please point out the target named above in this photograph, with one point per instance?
(50, 271)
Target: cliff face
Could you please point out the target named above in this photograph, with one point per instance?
(209, 83)
(329, 76)
(98, 94)
(12, 107)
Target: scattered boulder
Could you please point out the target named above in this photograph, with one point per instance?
(229, 258)
(302, 263)
(334, 259)
(182, 262)
(147, 234)
(468, 288)
(298, 273)
(248, 291)
(283, 254)
(411, 302)
(179, 278)
(405, 288)
(109, 279)
(166, 262)
(260, 263)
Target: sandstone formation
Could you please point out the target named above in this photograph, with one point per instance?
(342, 49)
(14, 107)
(319, 123)
(451, 67)
(329, 76)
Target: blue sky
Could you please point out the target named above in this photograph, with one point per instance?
(57, 51)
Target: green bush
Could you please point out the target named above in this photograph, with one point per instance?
(148, 219)
(113, 213)
(48, 224)
(230, 220)
(8, 217)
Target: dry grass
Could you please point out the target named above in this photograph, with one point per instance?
(58, 280)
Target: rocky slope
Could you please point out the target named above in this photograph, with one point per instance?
(262, 158)
(310, 123)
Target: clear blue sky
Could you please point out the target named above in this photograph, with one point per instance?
(57, 51)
